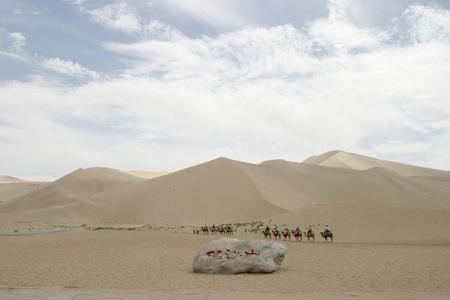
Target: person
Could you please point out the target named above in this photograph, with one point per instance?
(267, 228)
(298, 229)
(327, 229)
(310, 230)
(276, 228)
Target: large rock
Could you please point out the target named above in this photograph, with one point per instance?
(232, 256)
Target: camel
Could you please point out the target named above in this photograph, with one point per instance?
(297, 235)
(267, 234)
(286, 234)
(213, 230)
(276, 235)
(327, 235)
(229, 231)
(310, 236)
(222, 230)
(205, 230)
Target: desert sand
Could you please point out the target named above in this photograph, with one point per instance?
(107, 229)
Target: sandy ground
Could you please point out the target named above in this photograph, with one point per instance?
(158, 264)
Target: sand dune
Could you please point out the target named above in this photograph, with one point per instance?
(10, 191)
(341, 159)
(96, 180)
(9, 179)
(356, 194)
(216, 191)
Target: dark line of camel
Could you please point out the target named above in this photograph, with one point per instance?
(214, 230)
(267, 233)
(297, 235)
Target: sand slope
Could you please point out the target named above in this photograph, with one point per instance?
(10, 191)
(69, 199)
(217, 191)
(341, 159)
(9, 179)
(361, 197)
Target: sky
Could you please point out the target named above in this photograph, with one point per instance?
(165, 85)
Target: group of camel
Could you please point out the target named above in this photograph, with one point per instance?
(328, 236)
(227, 230)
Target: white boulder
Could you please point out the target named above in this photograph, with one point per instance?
(233, 256)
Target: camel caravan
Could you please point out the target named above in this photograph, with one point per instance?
(286, 234)
(296, 234)
(222, 229)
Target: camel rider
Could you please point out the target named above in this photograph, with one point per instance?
(310, 230)
(214, 226)
(298, 229)
(327, 229)
(276, 229)
(267, 228)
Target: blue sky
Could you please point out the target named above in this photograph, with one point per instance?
(165, 85)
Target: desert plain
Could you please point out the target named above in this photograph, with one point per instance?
(102, 229)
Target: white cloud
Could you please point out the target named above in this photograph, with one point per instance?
(119, 16)
(15, 49)
(428, 24)
(68, 68)
(18, 41)
(157, 30)
(337, 33)
(399, 148)
(12, 46)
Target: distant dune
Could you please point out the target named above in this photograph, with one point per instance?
(340, 159)
(9, 179)
(11, 187)
(360, 197)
